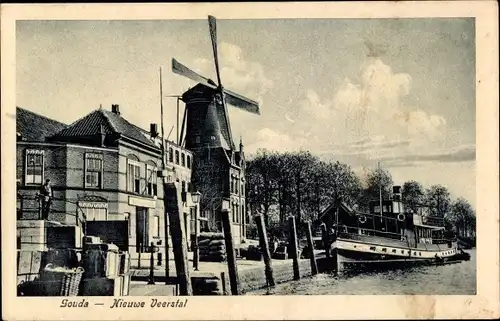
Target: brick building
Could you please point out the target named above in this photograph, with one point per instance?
(102, 168)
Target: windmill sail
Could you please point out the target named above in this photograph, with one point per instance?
(220, 98)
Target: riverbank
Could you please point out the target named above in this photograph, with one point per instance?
(452, 279)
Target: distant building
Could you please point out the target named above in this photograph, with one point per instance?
(102, 168)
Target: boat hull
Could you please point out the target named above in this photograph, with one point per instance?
(379, 253)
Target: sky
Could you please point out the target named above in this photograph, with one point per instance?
(396, 91)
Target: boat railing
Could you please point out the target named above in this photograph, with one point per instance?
(350, 231)
(443, 241)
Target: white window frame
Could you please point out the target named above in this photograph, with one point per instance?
(26, 176)
(151, 178)
(177, 157)
(94, 208)
(100, 171)
(170, 155)
(156, 226)
(136, 175)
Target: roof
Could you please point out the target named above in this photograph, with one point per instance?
(34, 127)
(110, 123)
(343, 206)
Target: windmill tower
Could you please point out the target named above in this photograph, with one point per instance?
(218, 166)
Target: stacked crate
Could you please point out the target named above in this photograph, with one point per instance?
(212, 247)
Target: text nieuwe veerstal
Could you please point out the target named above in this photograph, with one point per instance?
(121, 303)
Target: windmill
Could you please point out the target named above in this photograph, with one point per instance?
(206, 116)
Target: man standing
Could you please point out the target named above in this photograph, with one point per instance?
(46, 194)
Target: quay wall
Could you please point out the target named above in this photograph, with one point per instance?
(255, 278)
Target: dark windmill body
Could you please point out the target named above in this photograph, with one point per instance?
(218, 165)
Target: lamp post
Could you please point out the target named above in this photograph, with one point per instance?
(196, 200)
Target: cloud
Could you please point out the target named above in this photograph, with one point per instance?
(271, 140)
(238, 74)
(366, 117)
(463, 153)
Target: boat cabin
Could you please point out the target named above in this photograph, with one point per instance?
(385, 219)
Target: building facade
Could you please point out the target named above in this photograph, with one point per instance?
(102, 168)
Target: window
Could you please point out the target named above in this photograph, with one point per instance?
(34, 167)
(236, 207)
(233, 212)
(177, 157)
(242, 188)
(133, 177)
(93, 170)
(188, 161)
(183, 159)
(242, 212)
(236, 186)
(156, 226)
(94, 211)
(171, 155)
(152, 180)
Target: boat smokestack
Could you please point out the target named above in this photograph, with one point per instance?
(397, 202)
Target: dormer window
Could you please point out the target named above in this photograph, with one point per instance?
(177, 157)
(189, 161)
(183, 159)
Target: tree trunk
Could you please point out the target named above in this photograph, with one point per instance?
(266, 215)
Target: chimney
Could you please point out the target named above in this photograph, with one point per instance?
(115, 109)
(153, 130)
(397, 205)
(396, 191)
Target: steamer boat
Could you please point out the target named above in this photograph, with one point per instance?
(386, 237)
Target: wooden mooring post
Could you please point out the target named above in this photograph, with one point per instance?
(231, 254)
(172, 193)
(310, 243)
(294, 247)
(264, 244)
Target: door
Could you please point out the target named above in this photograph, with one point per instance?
(141, 228)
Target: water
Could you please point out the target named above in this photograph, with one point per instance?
(459, 279)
